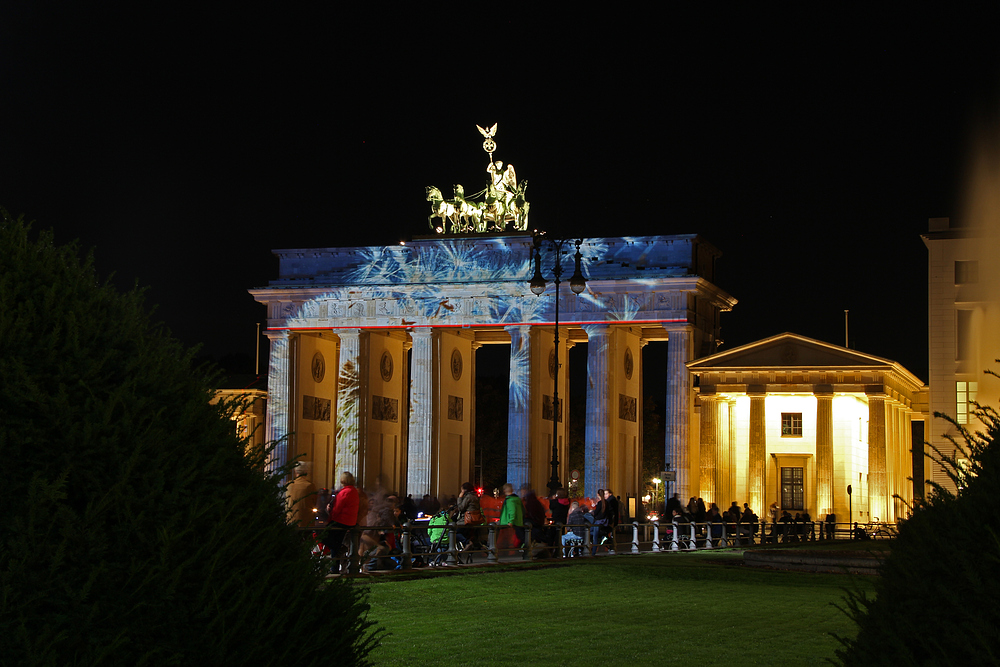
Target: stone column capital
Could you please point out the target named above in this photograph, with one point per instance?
(598, 329)
(522, 329)
(277, 334)
(677, 327)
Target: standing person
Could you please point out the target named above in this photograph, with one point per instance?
(512, 512)
(534, 515)
(343, 516)
(469, 515)
(301, 498)
(323, 506)
(612, 513)
(674, 503)
(600, 521)
(559, 506)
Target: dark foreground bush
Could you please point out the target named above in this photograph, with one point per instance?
(133, 529)
(937, 601)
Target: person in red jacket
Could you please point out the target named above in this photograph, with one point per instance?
(343, 516)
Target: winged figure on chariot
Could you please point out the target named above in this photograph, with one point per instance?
(500, 206)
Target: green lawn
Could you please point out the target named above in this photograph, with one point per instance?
(695, 609)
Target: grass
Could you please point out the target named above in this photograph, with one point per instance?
(695, 609)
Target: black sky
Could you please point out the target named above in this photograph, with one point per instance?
(811, 149)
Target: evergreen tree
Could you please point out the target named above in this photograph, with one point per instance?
(935, 602)
(135, 529)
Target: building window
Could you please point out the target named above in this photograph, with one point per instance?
(791, 424)
(792, 489)
(965, 395)
(966, 272)
(963, 334)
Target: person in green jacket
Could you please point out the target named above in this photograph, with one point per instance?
(512, 512)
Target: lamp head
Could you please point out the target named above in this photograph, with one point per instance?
(537, 283)
(577, 283)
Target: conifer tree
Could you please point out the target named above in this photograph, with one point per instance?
(134, 528)
(935, 602)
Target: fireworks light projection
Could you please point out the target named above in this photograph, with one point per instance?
(476, 283)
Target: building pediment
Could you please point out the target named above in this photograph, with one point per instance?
(786, 351)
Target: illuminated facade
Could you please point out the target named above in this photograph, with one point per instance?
(795, 421)
(249, 419)
(372, 361)
(963, 318)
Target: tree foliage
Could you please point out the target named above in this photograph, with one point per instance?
(935, 602)
(135, 529)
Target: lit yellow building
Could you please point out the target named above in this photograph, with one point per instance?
(796, 421)
(963, 318)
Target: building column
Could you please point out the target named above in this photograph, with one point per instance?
(420, 447)
(824, 451)
(709, 454)
(877, 478)
(756, 483)
(679, 352)
(472, 415)
(352, 395)
(598, 427)
(519, 407)
(278, 403)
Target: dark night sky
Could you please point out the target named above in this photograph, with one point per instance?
(810, 149)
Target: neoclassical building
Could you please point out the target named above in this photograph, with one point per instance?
(963, 317)
(796, 421)
(373, 356)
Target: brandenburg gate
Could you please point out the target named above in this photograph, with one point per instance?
(373, 356)
(373, 349)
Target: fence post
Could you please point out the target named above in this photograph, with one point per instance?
(675, 537)
(527, 546)
(407, 554)
(656, 536)
(491, 544)
(635, 537)
(586, 541)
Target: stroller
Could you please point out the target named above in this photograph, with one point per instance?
(437, 534)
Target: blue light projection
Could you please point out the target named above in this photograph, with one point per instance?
(471, 281)
(520, 369)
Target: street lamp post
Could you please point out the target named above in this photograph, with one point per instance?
(577, 284)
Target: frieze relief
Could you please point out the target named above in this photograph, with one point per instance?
(404, 308)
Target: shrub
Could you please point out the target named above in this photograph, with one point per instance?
(134, 528)
(935, 602)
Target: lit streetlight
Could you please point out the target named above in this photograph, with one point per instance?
(577, 284)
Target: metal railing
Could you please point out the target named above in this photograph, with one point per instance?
(653, 537)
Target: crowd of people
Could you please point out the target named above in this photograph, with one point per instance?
(565, 524)
(335, 514)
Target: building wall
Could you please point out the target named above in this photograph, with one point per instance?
(950, 307)
(313, 408)
(384, 455)
(453, 459)
(625, 409)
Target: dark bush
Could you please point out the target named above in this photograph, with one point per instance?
(134, 529)
(936, 601)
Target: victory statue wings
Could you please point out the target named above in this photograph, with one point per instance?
(488, 133)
